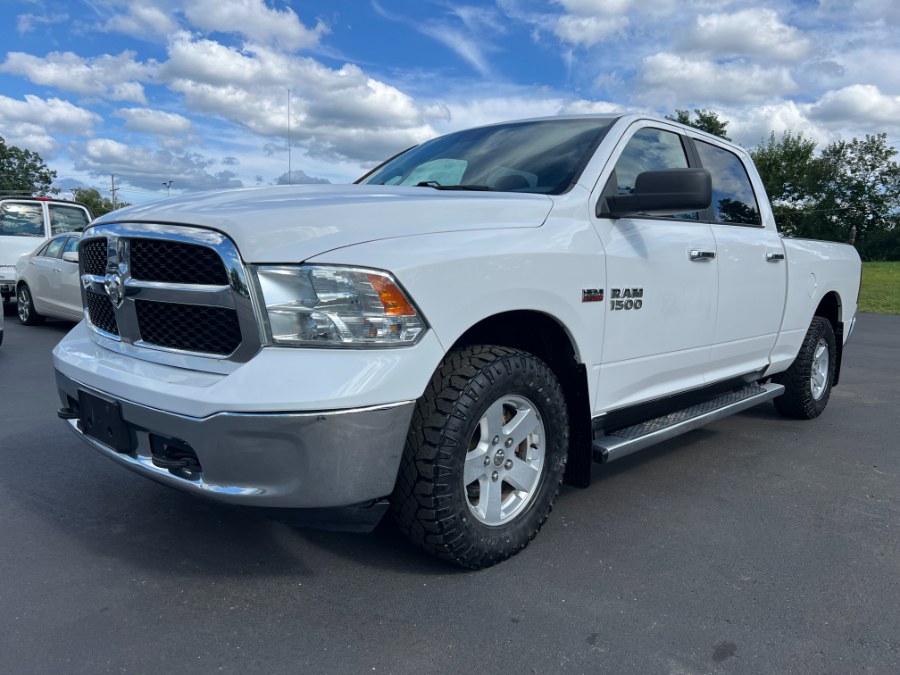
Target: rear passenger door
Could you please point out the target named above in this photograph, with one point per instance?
(752, 268)
(44, 274)
(661, 281)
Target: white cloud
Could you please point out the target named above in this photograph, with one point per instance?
(752, 124)
(887, 11)
(148, 168)
(341, 113)
(475, 111)
(860, 106)
(25, 23)
(757, 33)
(213, 63)
(34, 123)
(868, 64)
(142, 20)
(153, 121)
(255, 21)
(589, 30)
(116, 77)
(669, 78)
(583, 107)
(468, 48)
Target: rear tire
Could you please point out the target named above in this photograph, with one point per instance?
(484, 457)
(27, 313)
(807, 383)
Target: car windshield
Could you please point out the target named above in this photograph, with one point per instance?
(544, 157)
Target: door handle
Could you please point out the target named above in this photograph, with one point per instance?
(697, 255)
(774, 257)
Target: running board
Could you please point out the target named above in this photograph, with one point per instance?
(625, 441)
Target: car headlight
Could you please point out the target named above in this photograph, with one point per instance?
(325, 306)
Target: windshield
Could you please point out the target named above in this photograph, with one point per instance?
(544, 157)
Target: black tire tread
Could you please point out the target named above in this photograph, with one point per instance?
(422, 506)
(797, 401)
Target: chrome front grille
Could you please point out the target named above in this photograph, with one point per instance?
(168, 293)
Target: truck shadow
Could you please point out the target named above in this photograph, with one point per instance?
(93, 505)
(108, 512)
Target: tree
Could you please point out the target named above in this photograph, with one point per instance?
(851, 191)
(859, 187)
(789, 171)
(23, 171)
(98, 204)
(705, 120)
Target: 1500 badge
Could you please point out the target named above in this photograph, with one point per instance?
(626, 298)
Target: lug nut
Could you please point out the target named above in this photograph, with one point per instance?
(508, 443)
(496, 440)
(507, 464)
(495, 476)
(487, 460)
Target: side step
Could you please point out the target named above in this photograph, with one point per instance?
(625, 441)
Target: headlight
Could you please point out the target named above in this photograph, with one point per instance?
(336, 307)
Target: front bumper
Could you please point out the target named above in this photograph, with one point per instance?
(321, 459)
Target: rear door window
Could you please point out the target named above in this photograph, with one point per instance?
(733, 199)
(67, 218)
(21, 219)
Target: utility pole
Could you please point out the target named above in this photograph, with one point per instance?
(290, 182)
(113, 189)
(167, 184)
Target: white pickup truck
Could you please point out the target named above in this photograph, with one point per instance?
(26, 222)
(474, 321)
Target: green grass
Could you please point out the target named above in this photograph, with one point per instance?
(880, 288)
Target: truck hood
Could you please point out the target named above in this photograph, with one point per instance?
(293, 223)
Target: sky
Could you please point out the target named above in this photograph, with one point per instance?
(214, 94)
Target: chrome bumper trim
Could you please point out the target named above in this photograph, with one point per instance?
(289, 460)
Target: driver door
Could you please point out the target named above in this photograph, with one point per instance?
(661, 282)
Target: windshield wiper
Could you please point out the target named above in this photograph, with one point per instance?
(437, 186)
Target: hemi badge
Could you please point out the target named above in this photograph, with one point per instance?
(592, 295)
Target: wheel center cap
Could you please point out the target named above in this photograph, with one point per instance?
(499, 456)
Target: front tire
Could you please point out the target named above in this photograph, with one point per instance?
(27, 313)
(484, 457)
(807, 383)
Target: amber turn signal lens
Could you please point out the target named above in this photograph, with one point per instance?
(395, 303)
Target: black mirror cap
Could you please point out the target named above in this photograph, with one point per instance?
(666, 192)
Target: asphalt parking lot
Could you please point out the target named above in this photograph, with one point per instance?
(754, 545)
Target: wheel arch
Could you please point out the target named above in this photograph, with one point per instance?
(543, 336)
(831, 308)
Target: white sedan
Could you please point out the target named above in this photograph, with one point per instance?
(48, 282)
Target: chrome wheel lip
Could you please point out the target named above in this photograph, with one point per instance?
(22, 302)
(818, 379)
(507, 480)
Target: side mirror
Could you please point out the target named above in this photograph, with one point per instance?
(662, 193)
(70, 256)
